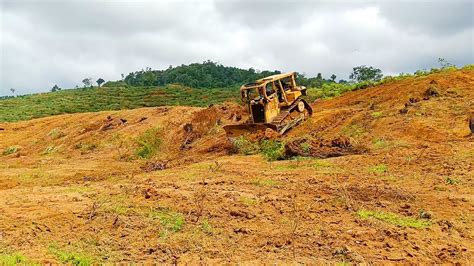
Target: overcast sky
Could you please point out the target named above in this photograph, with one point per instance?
(61, 42)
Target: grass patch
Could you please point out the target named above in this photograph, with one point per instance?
(266, 183)
(248, 201)
(56, 133)
(149, 143)
(14, 259)
(394, 219)
(169, 220)
(50, 149)
(245, 146)
(68, 257)
(379, 169)
(322, 164)
(377, 114)
(287, 167)
(382, 143)
(206, 227)
(305, 146)
(85, 148)
(10, 150)
(451, 181)
(353, 131)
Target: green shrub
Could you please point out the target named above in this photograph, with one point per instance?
(50, 149)
(272, 150)
(149, 143)
(84, 147)
(56, 133)
(245, 146)
(305, 146)
(377, 114)
(206, 227)
(10, 150)
(451, 181)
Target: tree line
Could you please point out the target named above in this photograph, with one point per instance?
(198, 75)
(212, 75)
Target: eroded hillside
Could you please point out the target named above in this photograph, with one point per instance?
(75, 187)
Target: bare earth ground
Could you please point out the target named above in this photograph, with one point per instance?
(71, 187)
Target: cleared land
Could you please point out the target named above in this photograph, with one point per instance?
(72, 188)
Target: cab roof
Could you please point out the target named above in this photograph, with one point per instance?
(275, 77)
(265, 80)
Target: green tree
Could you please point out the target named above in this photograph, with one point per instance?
(55, 88)
(444, 63)
(366, 73)
(87, 82)
(100, 81)
(333, 78)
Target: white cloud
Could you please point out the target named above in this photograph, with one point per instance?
(44, 43)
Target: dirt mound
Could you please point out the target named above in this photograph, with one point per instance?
(322, 148)
(187, 134)
(421, 110)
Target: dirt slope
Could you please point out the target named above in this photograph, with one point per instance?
(70, 187)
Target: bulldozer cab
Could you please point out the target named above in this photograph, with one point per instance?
(266, 96)
(273, 103)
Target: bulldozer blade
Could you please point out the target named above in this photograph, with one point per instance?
(234, 131)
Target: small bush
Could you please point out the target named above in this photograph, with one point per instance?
(149, 143)
(206, 227)
(10, 150)
(305, 146)
(377, 114)
(272, 150)
(50, 149)
(56, 133)
(451, 181)
(245, 146)
(85, 148)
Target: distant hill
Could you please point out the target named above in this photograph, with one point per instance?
(108, 98)
(198, 75)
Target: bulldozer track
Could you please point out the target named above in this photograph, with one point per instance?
(278, 121)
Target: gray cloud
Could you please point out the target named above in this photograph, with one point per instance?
(51, 42)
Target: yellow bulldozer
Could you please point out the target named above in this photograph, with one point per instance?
(273, 102)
